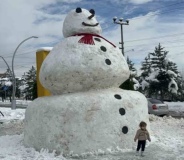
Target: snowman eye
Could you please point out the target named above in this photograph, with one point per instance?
(92, 11)
(78, 10)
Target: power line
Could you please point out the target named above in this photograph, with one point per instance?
(165, 42)
(142, 39)
(157, 13)
(173, 4)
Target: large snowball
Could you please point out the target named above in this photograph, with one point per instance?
(73, 67)
(85, 121)
(73, 23)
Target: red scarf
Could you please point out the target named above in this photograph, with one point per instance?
(88, 38)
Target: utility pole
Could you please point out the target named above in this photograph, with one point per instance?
(121, 23)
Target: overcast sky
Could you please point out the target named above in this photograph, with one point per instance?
(151, 22)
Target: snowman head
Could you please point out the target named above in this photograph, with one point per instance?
(81, 21)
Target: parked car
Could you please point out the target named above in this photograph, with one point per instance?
(157, 107)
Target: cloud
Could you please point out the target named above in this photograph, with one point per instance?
(152, 28)
(21, 19)
(43, 18)
(136, 2)
(139, 1)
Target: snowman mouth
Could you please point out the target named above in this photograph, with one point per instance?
(90, 25)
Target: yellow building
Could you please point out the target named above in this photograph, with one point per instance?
(41, 54)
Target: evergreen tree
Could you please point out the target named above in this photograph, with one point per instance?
(8, 74)
(160, 74)
(172, 67)
(129, 84)
(146, 70)
(18, 84)
(35, 94)
(180, 96)
(30, 82)
(131, 67)
(146, 67)
(158, 59)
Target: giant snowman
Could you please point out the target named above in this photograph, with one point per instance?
(87, 110)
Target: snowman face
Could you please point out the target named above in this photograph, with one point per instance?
(81, 21)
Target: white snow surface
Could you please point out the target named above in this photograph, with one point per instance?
(135, 81)
(4, 79)
(19, 102)
(45, 49)
(152, 76)
(8, 83)
(85, 121)
(74, 67)
(73, 23)
(176, 106)
(172, 73)
(173, 89)
(144, 84)
(18, 114)
(166, 134)
(136, 85)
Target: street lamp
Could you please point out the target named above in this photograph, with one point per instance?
(13, 104)
(7, 65)
(121, 22)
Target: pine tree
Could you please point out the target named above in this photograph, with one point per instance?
(8, 74)
(18, 91)
(180, 96)
(30, 81)
(172, 67)
(129, 84)
(158, 59)
(163, 76)
(146, 70)
(146, 67)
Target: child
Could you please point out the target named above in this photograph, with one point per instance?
(142, 135)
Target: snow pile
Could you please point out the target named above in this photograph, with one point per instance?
(136, 84)
(153, 75)
(44, 49)
(9, 114)
(176, 106)
(167, 144)
(144, 84)
(173, 87)
(8, 83)
(172, 73)
(18, 102)
(12, 148)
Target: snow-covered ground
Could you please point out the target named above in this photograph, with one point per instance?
(18, 102)
(166, 134)
(176, 108)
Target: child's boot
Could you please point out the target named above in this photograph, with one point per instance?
(142, 153)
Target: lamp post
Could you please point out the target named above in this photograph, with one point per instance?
(121, 23)
(13, 104)
(7, 65)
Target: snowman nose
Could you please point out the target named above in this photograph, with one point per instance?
(92, 11)
(91, 16)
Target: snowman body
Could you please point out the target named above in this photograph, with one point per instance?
(87, 111)
(79, 67)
